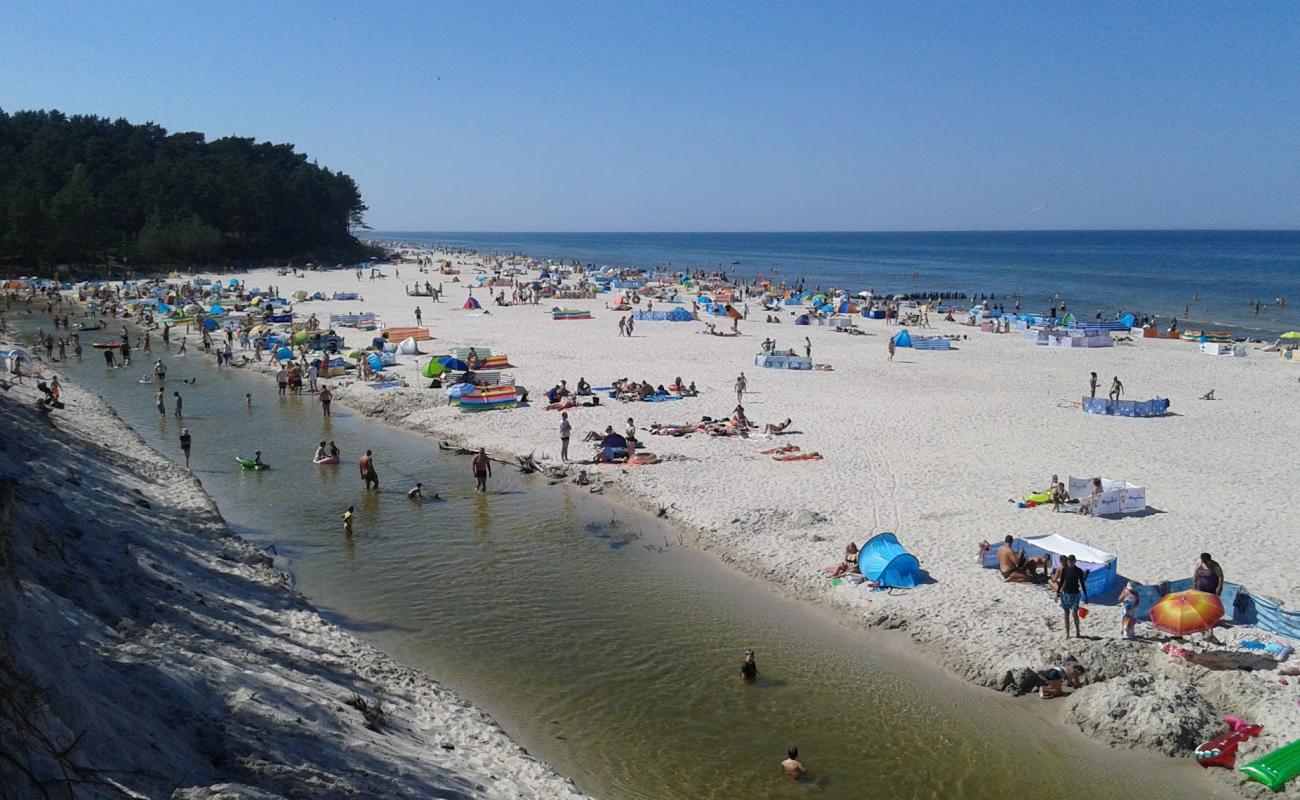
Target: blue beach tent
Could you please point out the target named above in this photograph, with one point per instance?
(902, 339)
(883, 560)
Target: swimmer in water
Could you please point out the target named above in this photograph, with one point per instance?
(347, 522)
(257, 459)
(417, 492)
(792, 767)
(248, 399)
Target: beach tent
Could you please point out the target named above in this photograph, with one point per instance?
(802, 319)
(1069, 319)
(433, 369)
(408, 347)
(1101, 567)
(470, 302)
(680, 315)
(1127, 320)
(884, 561)
(376, 363)
(902, 339)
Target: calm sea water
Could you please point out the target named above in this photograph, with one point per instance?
(1205, 277)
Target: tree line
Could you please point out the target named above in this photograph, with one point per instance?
(88, 190)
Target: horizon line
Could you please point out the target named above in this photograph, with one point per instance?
(375, 232)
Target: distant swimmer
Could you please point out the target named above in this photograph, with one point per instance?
(417, 493)
(749, 667)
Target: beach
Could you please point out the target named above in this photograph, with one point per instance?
(150, 652)
(934, 446)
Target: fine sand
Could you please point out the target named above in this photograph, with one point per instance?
(148, 652)
(932, 446)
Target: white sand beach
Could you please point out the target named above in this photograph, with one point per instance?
(934, 447)
(150, 652)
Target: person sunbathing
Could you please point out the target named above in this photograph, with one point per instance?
(849, 565)
(776, 430)
(1015, 567)
(738, 419)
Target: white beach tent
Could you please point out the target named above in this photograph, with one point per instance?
(1117, 497)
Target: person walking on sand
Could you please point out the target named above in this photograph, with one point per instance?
(891, 347)
(1116, 388)
(792, 768)
(807, 348)
(622, 327)
(482, 468)
(1069, 584)
(566, 429)
(325, 397)
(185, 445)
(419, 317)
(347, 522)
(179, 402)
(741, 386)
(368, 474)
(1092, 385)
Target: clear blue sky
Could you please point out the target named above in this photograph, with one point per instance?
(716, 116)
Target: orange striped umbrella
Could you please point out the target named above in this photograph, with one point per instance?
(1191, 611)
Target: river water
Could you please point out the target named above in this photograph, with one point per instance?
(593, 634)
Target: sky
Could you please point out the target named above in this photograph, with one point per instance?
(715, 116)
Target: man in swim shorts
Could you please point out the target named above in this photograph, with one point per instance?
(482, 467)
(368, 474)
(1069, 585)
(1015, 567)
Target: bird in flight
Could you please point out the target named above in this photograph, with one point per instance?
(1042, 207)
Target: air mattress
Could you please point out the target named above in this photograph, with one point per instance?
(247, 463)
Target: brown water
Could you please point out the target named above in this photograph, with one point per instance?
(595, 637)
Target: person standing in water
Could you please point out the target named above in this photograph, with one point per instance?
(368, 474)
(179, 402)
(186, 441)
(325, 397)
(347, 522)
(792, 767)
(158, 399)
(749, 667)
(482, 467)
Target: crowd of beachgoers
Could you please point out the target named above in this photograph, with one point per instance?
(930, 415)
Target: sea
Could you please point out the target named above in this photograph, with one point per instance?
(1209, 279)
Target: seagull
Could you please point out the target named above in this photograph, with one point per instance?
(1043, 207)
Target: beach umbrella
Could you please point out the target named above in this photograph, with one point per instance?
(356, 354)
(1190, 611)
(433, 369)
(453, 364)
(1291, 335)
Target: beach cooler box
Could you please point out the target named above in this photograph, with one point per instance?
(1150, 333)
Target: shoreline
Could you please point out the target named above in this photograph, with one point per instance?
(235, 675)
(951, 640)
